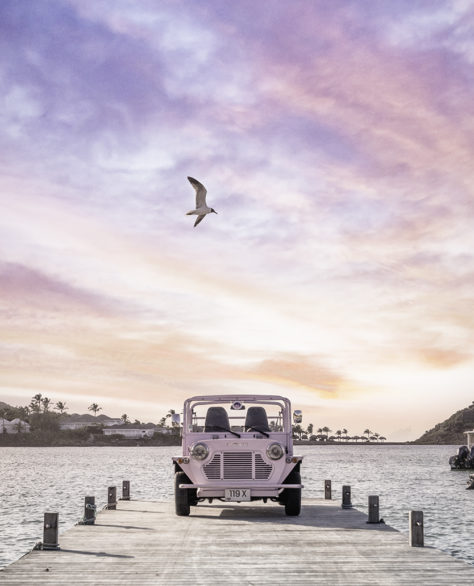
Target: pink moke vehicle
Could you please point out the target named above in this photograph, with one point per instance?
(238, 448)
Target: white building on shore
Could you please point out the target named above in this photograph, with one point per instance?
(88, 422)
(14, 426)
(130, 432)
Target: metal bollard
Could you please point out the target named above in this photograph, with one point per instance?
(126, 490)
(346, 497)
(89, 510)
(327, 490)
(50, 531)
(112, 498)
(373, 509)
(416, 529)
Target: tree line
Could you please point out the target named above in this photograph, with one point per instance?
(42, 414)
(341, 435)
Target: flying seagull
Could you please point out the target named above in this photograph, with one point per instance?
(201, 207)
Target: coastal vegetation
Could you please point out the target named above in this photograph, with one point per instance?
(451, 430)
(340, 435)
(46, 419)
(86, 436)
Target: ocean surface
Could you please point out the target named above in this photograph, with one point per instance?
(38, 480)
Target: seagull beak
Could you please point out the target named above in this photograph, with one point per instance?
(214, 211)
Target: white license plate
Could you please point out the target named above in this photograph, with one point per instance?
(237, 494)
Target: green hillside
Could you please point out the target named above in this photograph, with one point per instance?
(451, 430)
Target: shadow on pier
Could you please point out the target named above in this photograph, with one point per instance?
(316, 516)
(99, 554)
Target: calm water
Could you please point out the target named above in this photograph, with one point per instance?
(37, 480)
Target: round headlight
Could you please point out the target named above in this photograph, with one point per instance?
(275, 451)
(199, 451)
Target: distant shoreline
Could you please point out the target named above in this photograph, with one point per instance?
(56, 441)
(10, 442)
(360, 444)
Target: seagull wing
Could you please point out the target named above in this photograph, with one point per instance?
(200, 192)
(199, 219)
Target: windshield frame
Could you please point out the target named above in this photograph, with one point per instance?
(275, 400)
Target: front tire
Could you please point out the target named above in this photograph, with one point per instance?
(181, 495)
(292, 497)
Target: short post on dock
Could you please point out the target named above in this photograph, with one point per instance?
(89, 510)
(346, 497)
(50, 531)
(416, 528)
(373, 509)
(125, 490)
(327, 490)
(112, 498)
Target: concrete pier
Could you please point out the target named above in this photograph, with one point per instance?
(145, 543)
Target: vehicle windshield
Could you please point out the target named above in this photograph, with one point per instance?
(236, 417)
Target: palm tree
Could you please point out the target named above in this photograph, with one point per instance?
(382, 438)
(309, 430)
(35, 404)
(125, 418)
(170, 413)
(377, 435)
(94, 408)
(339, 433)
(344, 433)
(298, 430)
(46, 403)
(319, 430)
(61, 407)
(367, 432)
(326, 430)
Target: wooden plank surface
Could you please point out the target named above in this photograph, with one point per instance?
(219, 544)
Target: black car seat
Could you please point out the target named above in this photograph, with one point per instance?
(216, 419)
(257, 418)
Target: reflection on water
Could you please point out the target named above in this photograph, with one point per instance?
(37, 480)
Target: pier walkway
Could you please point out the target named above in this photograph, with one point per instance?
(145, 543)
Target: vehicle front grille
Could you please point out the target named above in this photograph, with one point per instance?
(213, 469)
(237, 466)
(262, 469)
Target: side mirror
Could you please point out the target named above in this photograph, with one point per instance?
(297, 416)
(175, 419)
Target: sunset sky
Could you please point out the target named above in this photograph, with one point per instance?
(336, 141)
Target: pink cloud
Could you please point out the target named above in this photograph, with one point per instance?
(26, 290)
